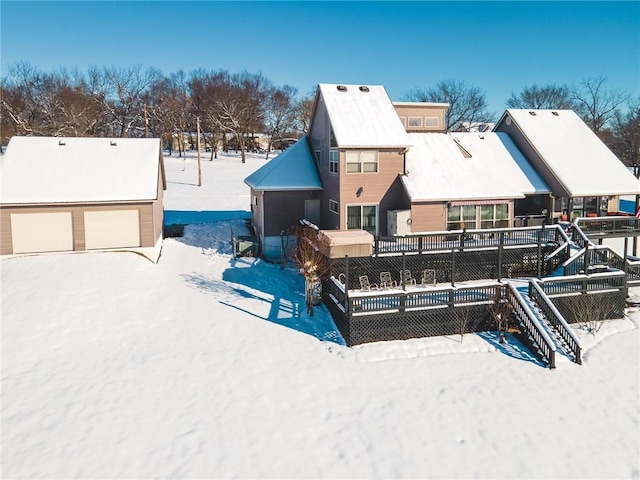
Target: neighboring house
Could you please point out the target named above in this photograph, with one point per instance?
(81, 194)
(585, 176)
(283, 191)
(390, 168)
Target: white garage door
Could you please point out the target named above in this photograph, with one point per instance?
(111, 229)
(42, 232)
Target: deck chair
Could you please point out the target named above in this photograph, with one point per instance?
(405, 275)
(428, 278)
(365, 285)
(386, 281)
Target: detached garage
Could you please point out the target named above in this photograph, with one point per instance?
(79, 194)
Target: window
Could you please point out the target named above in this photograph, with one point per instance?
(333, 206)
(459, 217)
(415, 121)
(362, 161)
(334, 159)
(363, 217)
(493, 216)
(404, 121)
(430, 121)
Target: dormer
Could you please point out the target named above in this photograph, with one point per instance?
(422, 116)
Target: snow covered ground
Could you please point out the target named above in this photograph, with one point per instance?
(206, 366)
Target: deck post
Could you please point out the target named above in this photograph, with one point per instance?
(500, 247)
(346, 285)
(404, 266)
(453, 266)
(540, 253)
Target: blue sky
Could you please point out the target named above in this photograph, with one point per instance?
(498, 46)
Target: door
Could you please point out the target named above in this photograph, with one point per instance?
(111, 229)
(42, 232)
(312, 211)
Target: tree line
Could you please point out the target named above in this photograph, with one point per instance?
(136, 102)
(234, 107)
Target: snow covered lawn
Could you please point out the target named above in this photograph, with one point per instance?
(206, 366)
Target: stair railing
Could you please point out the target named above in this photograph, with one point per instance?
(531, 325)
(556, 320)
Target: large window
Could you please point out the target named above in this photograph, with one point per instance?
(494, 216)
(361, 161)
(459, 217)
(334, 161)
(363, 217)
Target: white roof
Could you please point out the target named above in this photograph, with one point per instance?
(293, 169)
(501, 156)
(437, 170)
(578, 158)
(70, 170)
(363, 116)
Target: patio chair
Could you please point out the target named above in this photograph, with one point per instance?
(386, 281)
(365, 285)
(428, 278)
(405, 275)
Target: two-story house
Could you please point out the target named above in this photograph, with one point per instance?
(390, 168)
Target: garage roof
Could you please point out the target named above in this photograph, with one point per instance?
(78, 170)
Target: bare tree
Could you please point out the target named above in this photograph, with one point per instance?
(542, 97)
(313, 265)
(590, 310)
(626, 130)
(121, 92)
(240, 107)
(467, 104)
(501, 313)
(596, 103)
(462, 315)
(281, 112)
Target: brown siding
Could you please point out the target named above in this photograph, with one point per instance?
(77, 212)
(284, 209)
(381, 188)
(146, 226)
(422, 110)
(257, 218)
(158, 211)
(6, 243)
(428, 217)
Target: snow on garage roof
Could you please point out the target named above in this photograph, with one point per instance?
(293, 169)
(577, 157)
(363, 117)
(74, 169)
(437, 169)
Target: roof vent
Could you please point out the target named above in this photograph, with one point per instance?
(363, 88)
(555, 113)
(341, 88)
(113, 143)
(531, 112)
(61, 143)
(481, 137)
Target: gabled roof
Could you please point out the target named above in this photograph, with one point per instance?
(363, 117)
(437, 169)
(580, 161)
(80, 169)
(293, 169)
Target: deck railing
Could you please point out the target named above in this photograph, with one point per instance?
(608, 226)
(556, 320)
(469, 239)
(531, 326)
